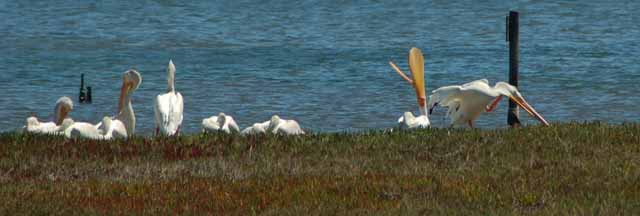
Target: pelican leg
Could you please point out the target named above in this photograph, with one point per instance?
(470, 123)
(157, 131)
(178, 131)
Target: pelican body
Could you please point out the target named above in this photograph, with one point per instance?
(64, 105)
(168, 107)
(275, 125)
(220, 123)
(466, 102)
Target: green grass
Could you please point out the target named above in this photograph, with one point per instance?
(591, 168)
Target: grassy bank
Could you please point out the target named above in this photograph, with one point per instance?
(563, 169)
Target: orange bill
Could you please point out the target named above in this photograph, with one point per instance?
(405, 77)
(523, 103)
(416, 65)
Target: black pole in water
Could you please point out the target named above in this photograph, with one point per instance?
(513, 37)
(88, 94)
(82, 97)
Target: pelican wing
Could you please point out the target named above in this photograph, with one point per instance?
(445, 96)
(83, 130)
(231, 124)
(210, 124)
(476, 82)
(289, 127)
(168, 112)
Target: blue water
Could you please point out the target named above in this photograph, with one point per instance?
(323, 63)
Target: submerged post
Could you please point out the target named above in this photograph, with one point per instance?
(82, 97)
(513, 37)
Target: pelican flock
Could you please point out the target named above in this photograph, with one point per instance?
(168, 107)
(123, 125)
(465, 104)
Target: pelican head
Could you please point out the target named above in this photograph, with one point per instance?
(512, 92)
(131, 80)
(32, 121)
(222, 118)
(64, 105)
(274, 123)
(171, 73)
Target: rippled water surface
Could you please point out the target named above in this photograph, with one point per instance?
(323, 63)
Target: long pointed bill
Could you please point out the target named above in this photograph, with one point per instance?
(523, 103)
(416, 65)
(405, 77)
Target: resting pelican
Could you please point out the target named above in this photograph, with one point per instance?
(221, 122)
(466, 102)
(90, 131)
(275, 126)
(168, 107)
(285, 127)
(416, 66)
(257, 128)
(64, 105)
(123, 125)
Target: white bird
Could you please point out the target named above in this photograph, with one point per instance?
(168, 107)
(466, 102)
(275, 126)
(416, 66)
(90, 131)
(64, 105)
(257, 128)
(123, 125)
(221, 122)
(283, 126)
(409, 121)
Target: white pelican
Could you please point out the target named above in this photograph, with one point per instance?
(221, 122)
(275, 126)
(64, 105)
(90, 131)
(123, 125)
(285, 127)
(168, 107)
(466, 102)
(257, 128)
(416, 66)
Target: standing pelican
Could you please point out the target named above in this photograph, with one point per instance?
(416, 66)
(221, 122)
(123, 125)
(64, 105)
(275, 126)
(466, 102)
(168, 106)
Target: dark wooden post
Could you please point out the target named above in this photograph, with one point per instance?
(82, 97)
(513, 37)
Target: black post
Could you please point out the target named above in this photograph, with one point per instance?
(88, 94)
(82, 97)
(513, 37)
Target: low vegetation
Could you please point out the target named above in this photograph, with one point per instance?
(590, 168)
